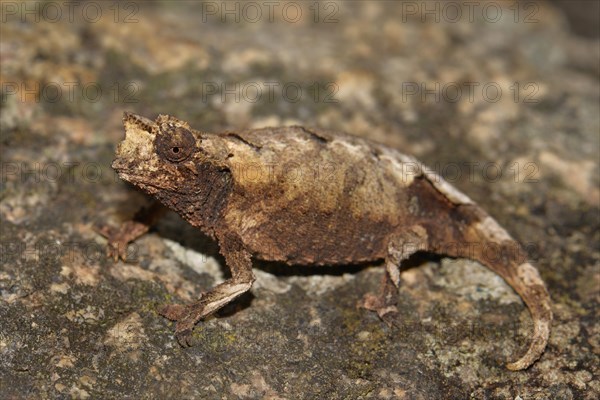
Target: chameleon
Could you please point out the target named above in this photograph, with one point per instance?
(308, 196)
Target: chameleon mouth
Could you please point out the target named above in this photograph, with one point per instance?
(124, 171)
(142, 182)
(118, 165)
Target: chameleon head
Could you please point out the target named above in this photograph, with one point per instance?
(157, 155)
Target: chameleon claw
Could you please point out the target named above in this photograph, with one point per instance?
(184, 315)
(385, 309)
(184, 337)
(118, 239)
(109, 233)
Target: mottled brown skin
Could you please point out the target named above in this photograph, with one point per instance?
(312, 197)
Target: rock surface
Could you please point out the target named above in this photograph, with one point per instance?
(502, 101)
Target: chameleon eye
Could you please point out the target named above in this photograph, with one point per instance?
(176, 145)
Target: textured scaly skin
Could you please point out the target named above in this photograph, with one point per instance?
(315, 197)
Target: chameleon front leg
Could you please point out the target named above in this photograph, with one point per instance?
(239, 262)
(119, 238)
(401, 246)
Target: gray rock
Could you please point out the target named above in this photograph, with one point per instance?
(506, 110)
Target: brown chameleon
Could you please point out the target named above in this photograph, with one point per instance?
(311, 197)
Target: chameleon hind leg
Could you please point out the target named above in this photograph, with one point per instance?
(401, 246)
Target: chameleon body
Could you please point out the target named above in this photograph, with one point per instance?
(313, 197)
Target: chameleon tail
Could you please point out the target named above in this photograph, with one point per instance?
(533, 292)
(497, 250)
(454, 218)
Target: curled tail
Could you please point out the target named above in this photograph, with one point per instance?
(498, 251)
(530, 287)
(452, 218)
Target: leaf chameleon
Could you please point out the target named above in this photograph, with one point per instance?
(311, 197)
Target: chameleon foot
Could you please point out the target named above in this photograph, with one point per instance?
(386, 310)
(186, 317)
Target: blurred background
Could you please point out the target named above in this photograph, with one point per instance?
(499, 97)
